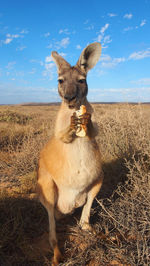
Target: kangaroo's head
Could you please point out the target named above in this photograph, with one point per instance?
(72, 85)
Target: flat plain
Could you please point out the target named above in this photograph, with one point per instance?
(121, 212)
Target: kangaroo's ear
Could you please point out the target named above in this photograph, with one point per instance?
(89, 56)
(60, 62)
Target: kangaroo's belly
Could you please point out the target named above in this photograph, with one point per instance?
(82, 165)
(82, 169)
(69, 199)
(73, 167)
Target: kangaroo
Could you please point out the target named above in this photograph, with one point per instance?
(70, 173)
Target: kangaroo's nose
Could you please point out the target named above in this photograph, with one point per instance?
(69, 98)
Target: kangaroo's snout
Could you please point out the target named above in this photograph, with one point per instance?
(70, 97)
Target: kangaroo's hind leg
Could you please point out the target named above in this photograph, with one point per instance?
(85, 216)
(48, 195)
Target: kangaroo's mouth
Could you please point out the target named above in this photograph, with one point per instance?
(75, 104)
(71, 106)
(72, 103)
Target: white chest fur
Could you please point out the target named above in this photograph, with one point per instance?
(80, 168)
(80, 171)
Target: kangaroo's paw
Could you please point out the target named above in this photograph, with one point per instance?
(87, 227)
(57, 257)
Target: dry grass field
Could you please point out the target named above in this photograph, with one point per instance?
(121, 212)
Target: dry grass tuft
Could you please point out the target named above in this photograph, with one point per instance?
(121, 213)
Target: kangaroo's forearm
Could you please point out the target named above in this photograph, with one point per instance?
(67, 135)
(91, 130)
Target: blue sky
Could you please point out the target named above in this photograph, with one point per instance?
(30, 30)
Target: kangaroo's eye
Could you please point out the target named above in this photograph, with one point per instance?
(60, 81)
(81, 81)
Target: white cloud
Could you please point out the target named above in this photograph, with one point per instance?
(140, 54)
(143, 22)
(24, 31)
(143, 81)
(64, 42)
(119, 60)
(106, 39)
(49, 71)
(36, 61)
(50, 66)
(108, 62)
(103, 29)
(128, 29)
(11, 37)
(78, 47)
(120, 95)
(49, 46)
(56, 45)
(47, 34)
(64, 31)
(105, 57)
(10, 65)
(90, 27)
(128, 16)
(63, 54)
(21, 48)
(111, 15)
(8, 40)
(102, 38)
(48, 59)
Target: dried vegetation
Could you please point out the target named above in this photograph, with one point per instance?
(121, 212)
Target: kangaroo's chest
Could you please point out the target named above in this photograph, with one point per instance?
(81, 171)
(80, 167)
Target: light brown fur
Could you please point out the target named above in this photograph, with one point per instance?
(70, 174)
